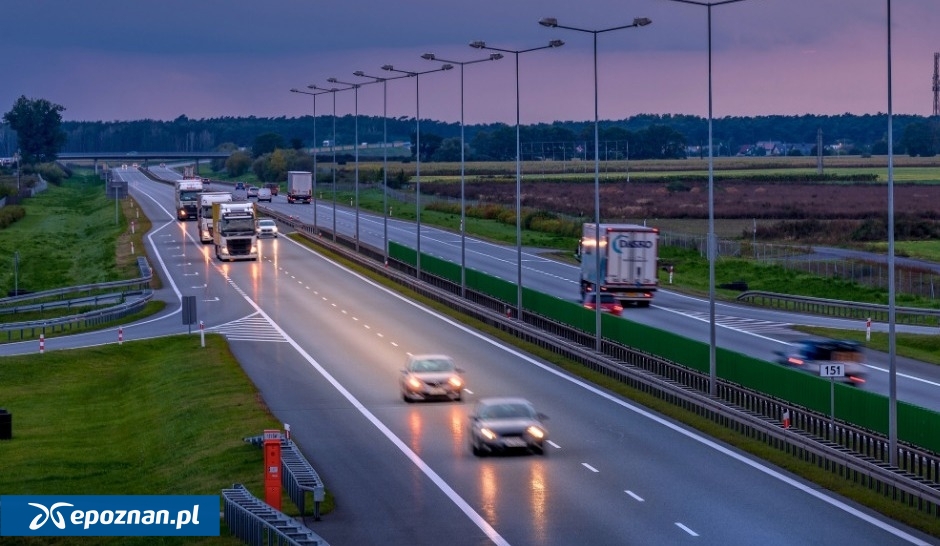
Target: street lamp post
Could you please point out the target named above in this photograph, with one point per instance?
(516, 53)
(332, 90)
(384, 82)
(316, 226)
(463, 207)
(712, 243)
(355, 87)
(892, 338)
(551, 22)
(417, 77)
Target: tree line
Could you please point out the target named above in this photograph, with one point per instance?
(34, 126)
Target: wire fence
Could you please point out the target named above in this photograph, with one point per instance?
(911, 281)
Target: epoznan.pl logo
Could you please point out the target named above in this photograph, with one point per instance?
(109, 515)
(47, 514)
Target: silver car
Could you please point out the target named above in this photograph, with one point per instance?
(267, 228)
(506, 424)
(429, 376)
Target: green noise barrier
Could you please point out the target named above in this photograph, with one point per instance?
(862, 408)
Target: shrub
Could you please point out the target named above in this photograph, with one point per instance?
(10, 214)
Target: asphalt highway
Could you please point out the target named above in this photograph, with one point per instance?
(325, 347)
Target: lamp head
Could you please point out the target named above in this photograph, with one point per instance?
(556, 43)
(496, 56)
(359, 73)
(295, 90)
(388, 67)
(311, 86)
(478, 44)
(332, 80)
(428, 57)
(642, 21)
(447, 67)
(549, 22)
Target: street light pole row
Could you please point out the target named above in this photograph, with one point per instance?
(463, 146)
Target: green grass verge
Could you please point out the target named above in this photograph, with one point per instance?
(811, 472)
(160, 416)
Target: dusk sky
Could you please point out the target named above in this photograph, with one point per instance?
(125, 60)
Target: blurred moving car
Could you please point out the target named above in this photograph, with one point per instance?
(505, 424)
(808, 355)
(429, 376)
(264, 194)
(267, 228)
(252, 191)
(609, 302)
(274, 187)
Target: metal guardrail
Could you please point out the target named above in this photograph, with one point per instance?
(91, 318)
(256, 522)
(841, 308)
(96, 300)
(297, 476)
(146, 275)
(846, 450)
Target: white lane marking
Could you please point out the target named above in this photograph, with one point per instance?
(554, 445)
(589, 467)
(634, 495)
(707, 320)
(692, 435)
(905, 376)
(686, 529)
(463, 505)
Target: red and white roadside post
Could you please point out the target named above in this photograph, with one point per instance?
(868, 329)
(202, 333)
(287, 432)
(786, 418)
(120, 335)
(42, 343)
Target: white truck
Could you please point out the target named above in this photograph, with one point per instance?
(187, 198)
(299, 186)
(628, 261)
(234, 231)
(206, 200)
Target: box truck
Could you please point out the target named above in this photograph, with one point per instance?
(628, 261)
(187, 198)
(299, 186)
(206, 200)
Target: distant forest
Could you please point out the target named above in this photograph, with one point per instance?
(642, 136)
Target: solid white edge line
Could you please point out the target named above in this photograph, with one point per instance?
(589, 467)
(686, 529)
(463, 505)
(634, 495)
(636, 409)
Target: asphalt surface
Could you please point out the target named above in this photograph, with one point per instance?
(325, 348)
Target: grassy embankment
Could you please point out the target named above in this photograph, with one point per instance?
(69, 237)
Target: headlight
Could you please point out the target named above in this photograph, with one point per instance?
(455, 382)
(488, 434)
(414, 383)
(535, 432)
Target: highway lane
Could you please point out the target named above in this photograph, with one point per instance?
(325, 347)
(752, 331)
(619, 474)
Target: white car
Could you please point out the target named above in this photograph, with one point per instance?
(267, 228)
(264, 194)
